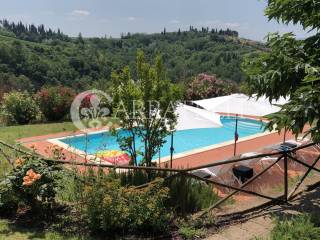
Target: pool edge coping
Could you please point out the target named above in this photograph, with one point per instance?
(91, 157)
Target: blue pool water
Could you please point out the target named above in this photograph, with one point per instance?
(185, 140)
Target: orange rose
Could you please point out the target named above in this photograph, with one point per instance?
(26, 178)
(30, 178)
(30, 173)
(37, 176)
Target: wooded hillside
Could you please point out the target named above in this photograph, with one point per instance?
(33, 56)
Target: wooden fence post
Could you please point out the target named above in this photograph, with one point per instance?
(285, 174)
(183, 194)
(303, 177)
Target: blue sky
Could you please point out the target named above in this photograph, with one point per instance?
(113, 17)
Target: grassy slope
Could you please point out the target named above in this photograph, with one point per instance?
(10, 134)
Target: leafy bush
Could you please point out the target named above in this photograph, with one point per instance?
(208, 86)
(10, 82)
(299, 227)
(108, 206)
(55, 102)
(19, 107)
(8, 200)
(5, 32)
(199, 195)
(139, 177)
(189, 232)
(31, 183)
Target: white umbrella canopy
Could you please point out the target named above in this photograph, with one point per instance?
(191, 118)
(241, 104)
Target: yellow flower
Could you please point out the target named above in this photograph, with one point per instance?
(87, 189)
(19, 162)
(107, 200)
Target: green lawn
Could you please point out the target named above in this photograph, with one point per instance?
(12, 232)
(10, 134)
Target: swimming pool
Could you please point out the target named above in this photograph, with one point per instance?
(184, 140)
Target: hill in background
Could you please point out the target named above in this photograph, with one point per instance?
(32, 56)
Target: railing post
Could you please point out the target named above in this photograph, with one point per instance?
(285, 174)
(183, 194)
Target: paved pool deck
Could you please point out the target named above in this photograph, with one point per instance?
(43, 145)
(226, 150)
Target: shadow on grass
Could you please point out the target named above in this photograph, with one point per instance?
(306, 203)
(9, 230)
(25, 226)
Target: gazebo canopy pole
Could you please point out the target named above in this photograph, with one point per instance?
(171, 149)
(235, 136)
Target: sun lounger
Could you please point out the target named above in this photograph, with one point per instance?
(284, 146)
(203, 173)
(249, 154)
(269, 160)
(207, 172)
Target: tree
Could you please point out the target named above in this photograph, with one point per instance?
(10, 82)
(57, 62)
(145, 107)
(31, 32)
(55, 102)
(290, 68)
(19, 108)
(80, 39)
(208, 86)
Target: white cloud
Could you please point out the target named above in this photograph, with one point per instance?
(221, 24)
(174, 21)
(80, 13)
(232, 24)
(131, 19)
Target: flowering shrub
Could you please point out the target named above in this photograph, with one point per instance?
(55, 102)
(32, 183)
(108, 206)
(8, 200)
(19, 108)
(208, 86)
(30, 178)
(19, 162)
(86, 102)
(55, 152)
